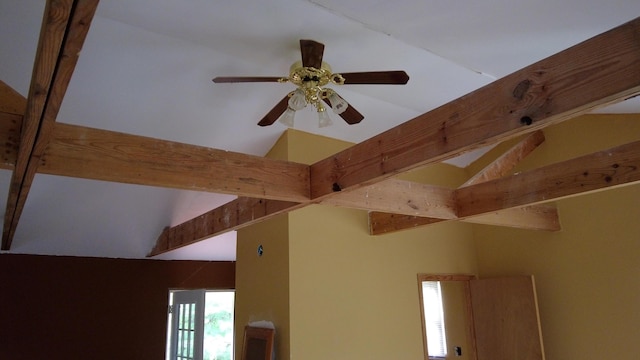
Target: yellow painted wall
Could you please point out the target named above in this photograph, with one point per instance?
(262, 282)
(349, 295)
(335, 292)
(456, 319)
(355, 296)
(587, 274)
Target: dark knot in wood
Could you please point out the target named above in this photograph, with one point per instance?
(521, 89)
(525, 120)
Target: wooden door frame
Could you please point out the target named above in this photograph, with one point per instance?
(471, 334)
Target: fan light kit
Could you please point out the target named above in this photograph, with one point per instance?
(310, 76)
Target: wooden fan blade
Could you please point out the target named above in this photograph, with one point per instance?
(312, 52)
(376, 77)
(241, 79)
(275, 113)
(351, 116)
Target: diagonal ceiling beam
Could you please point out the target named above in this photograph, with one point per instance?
(618, 166)
(11, 101)
(535, 217)
(538, 219)
(65, 26)
(400, 197)
(601, 170)
(597, 72)
(381, 223)
(508, 160)
(600, 71)
(233, 215)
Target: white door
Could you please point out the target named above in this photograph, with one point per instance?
(187, 325)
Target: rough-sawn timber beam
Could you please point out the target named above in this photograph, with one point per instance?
(11, 101)
(597, 72)
(111, 156)
(83, 152)
(604, 169)
(618, 166)
(536, 219)
(65, 27)
(602, 70)
(231, 216)
(400, 197)
(508, 160)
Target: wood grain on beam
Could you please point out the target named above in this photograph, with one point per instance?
(11, 101)
(65, 26)
(623, 160)
(111, 156)
(601, 170)
(540, 217)
(530, 218)
(600, 71)
(400, 197)
(382, 223)
(231, 216)
(537, 217)
(507, 161)
(390, 195)
(10, 125)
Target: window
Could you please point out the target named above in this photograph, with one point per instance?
(200, 325)
(433, 313)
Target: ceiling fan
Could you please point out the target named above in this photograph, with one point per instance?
(310, 76)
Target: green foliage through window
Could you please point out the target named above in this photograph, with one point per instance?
(218, 325)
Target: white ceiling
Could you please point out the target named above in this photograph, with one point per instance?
(146, 69)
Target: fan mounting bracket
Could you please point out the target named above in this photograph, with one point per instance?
(304, 76)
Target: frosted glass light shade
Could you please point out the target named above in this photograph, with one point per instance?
(337, 103)
(323, 119)
(297, 101)
(287, 117)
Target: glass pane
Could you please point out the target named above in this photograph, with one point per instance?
(434, 318)
(218, 325)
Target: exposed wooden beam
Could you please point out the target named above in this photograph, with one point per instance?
(10, 125)
(230, 216)
(11, 101)
(510, 198)
(400, 197)
(507, 161)
(604, 169)
(111, 156)
(597, 72)
(600, 71)
(507, 201)
(382, 222)
(527, 217)
(95, 154)
(65, 26)
(538, 219)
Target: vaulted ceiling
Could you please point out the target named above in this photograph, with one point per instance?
(145, 70)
